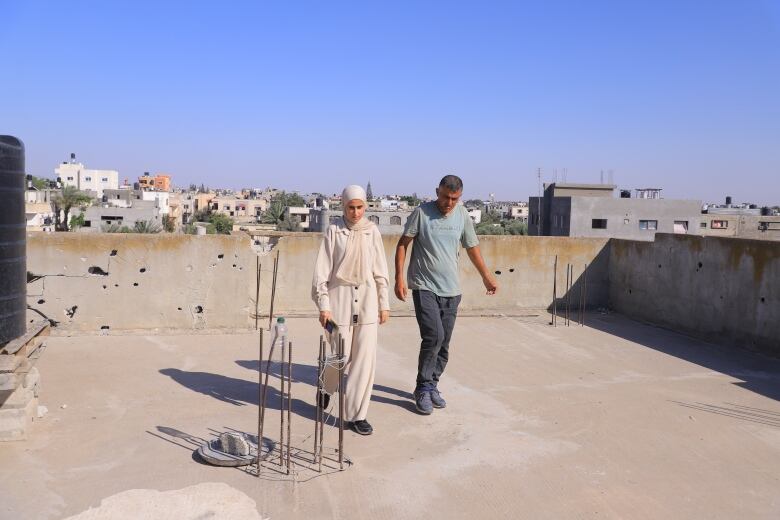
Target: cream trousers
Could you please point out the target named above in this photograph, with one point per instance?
(360, 353)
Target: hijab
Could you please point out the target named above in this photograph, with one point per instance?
(353, 269)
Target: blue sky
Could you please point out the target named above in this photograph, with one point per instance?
(310, 96)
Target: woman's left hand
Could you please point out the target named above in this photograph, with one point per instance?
(383, 316)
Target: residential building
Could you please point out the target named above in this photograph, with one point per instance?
(91, 181)
(97, 218)
(475, 214)
(162, 199)
(591, 210)
(302, 214)
(518, 212)
(39, 216)
(247, 210)
(389, 222)
(759, 227)
(158, 182)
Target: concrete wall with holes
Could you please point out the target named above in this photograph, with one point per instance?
(94, 282)
(167, 282)
(721, 289)
(523, 266)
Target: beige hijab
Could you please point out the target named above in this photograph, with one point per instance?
(354, 268)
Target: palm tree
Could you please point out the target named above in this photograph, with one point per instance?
(274, 214)
(146, 226)
(64, 201)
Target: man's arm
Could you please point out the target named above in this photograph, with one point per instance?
(487, 277)
(400, 258)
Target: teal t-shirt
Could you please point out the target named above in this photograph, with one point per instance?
(437, 240)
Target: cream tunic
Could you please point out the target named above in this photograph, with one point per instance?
(345, 301)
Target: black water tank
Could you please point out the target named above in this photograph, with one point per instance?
(728, 201)
(765, 211)
(13, 239)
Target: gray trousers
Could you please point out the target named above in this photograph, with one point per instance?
(436, 319)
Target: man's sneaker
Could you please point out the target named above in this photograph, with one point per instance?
(362, 427)
(323, 400)
(422, 401)
(437, 400)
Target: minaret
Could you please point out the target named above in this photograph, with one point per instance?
(369, 195)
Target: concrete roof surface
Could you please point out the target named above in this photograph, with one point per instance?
(613, 420)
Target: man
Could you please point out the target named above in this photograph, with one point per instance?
(438, 229)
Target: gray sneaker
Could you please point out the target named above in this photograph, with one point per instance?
(436, 399)
(422, 401)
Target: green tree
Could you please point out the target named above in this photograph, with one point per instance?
(515, 227)
(169, 223)
(277, 211)
(202, 215)
(291, 224)
(64, 201)
(274, 214)
(222, 223)
(489, 228)
(40, 183)
(76, 221)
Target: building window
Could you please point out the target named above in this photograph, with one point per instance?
(719, 224)
(395, 221)
(374, 219)
(703, 225)
(87, 179)
(648, 224)
(70, 178)
(599, 223)
(626, 221)
(681, 226)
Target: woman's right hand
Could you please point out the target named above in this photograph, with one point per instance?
(324, 317)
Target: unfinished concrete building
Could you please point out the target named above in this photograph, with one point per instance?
(592, 210)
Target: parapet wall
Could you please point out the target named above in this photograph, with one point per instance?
(721, 289)
(523, 267)
(94, 282)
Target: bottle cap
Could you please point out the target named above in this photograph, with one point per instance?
(280, 320)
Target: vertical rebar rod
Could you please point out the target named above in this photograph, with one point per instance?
(341, 403)
(264, 391)
(322, 412)
(273, 291)
(317, 404)
(566, 308)
(289, 404)
(579, 304)
(571, 289)
(259, 400)
(257, 294)
(584, 293)
(281, 403)
(555, 292)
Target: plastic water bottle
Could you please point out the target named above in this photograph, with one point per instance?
(279, 335)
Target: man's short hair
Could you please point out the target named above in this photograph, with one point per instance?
(451, 182)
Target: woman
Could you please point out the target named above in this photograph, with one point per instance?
(350, 288)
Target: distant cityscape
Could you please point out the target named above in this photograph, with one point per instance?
(80, 199)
